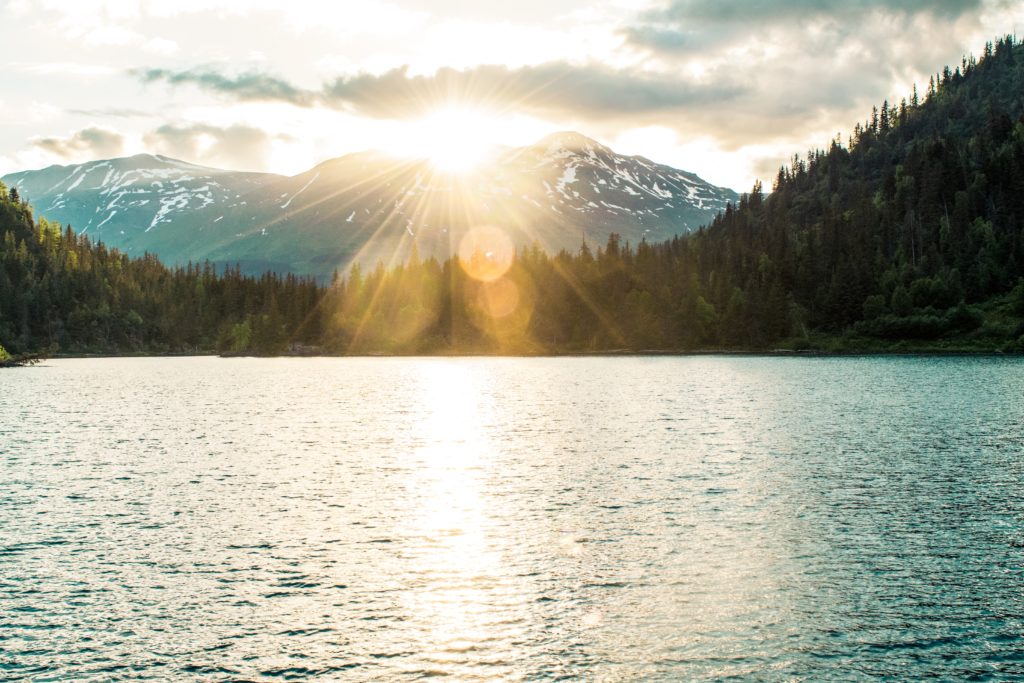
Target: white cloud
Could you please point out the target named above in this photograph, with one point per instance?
(43, 112)
(107, 35)
(88, 143)
(98, 23)
(794, 78)
(161, 46)
(237, 146)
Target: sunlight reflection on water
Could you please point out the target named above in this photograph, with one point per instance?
(466, 605)
(512, 519)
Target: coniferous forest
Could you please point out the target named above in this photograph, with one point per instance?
(908, 235)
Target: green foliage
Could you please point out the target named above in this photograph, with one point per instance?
(901, 303)
(58, 290)
(239, 338)
(874, 307)
(923, 211)
(1017, 298)
(927, 324)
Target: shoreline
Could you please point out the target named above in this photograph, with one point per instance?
(623, 353)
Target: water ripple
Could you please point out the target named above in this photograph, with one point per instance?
(775, 519)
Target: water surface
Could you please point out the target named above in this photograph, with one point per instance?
(705, 518)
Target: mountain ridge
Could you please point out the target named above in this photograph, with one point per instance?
(367, 206)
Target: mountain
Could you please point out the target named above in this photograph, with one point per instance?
(368, 206)
(121, 201)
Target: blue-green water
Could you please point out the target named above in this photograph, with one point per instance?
(615, 519)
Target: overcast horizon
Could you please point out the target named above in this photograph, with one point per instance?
(706, 86)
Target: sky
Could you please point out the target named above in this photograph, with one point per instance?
(729, 89)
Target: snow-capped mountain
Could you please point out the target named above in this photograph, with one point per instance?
(119, 201)
(584, 176)
(368, 206)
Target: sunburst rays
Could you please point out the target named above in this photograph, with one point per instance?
(430, 199)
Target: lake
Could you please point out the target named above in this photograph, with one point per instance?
(608, 519)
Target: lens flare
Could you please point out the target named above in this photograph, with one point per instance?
(486, 253)
(498, 298)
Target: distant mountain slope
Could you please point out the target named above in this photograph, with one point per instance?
(121, 201)
(370, 206)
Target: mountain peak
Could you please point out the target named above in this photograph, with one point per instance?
(569, 141)
(147, 160)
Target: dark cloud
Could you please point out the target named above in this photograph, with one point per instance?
(246, 86)
(237, 146)
(93, 143)
(694, 25)
(810, 65)
(593, 92)
(750, 11)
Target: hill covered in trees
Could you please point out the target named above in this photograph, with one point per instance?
(908, 237)
(912, 231)
(60, 292)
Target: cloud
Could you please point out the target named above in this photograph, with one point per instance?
(90, 143)
(689, 26)
(756, 79)
(763, 32)
(251, 86)
(556, 88)
(810, 65)
(752, 34)
(236, 146)
(749, 12)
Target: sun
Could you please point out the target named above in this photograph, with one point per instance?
(453, 140)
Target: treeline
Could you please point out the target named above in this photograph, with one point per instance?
(911, 235)
(60, 292)
(901, 234)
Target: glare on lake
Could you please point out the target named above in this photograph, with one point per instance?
(512, 519)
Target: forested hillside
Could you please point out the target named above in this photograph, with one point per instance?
(897, 235)
(910, 236)
(58, 291)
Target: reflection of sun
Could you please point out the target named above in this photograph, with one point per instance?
(454, 140)
(464, 604)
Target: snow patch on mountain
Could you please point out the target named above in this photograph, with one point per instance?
(568, 178)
